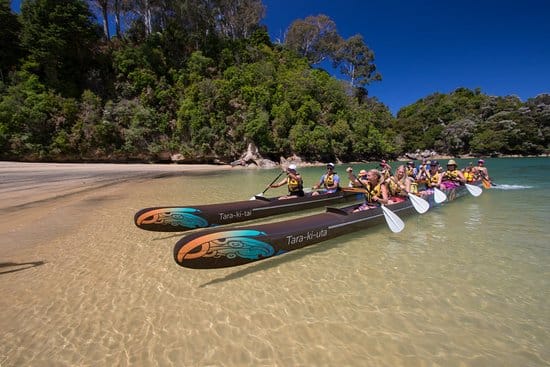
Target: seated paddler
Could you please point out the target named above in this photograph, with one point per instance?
(452, 177)
(294, 182)
(354, 180)
(376, 191)
(329, 182)
(399, 185)
(432, 179)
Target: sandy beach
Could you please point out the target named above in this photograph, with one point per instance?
(27, 184)
(30, 191)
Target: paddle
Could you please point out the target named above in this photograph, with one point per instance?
(474, 190)
(268, 186)
(439, 196)
(394, 222)
(420, 205)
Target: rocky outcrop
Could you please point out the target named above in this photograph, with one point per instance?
(253, 158)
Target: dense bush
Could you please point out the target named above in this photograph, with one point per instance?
(164, 87)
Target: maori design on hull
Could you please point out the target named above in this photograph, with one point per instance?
(229, 244)
(177, 217)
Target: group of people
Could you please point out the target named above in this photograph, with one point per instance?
(382, 186)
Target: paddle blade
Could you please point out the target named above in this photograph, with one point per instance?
(486, 184)
(420, 205)
(474, 190)
(439, 196)
(254, 197)
(394, 222)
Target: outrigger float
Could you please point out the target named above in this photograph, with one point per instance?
(183, 218)
(219, 248)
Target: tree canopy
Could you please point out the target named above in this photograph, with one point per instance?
(201, 79)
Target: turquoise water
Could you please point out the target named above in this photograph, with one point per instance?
(466, 284)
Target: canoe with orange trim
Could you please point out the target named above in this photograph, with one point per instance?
(219, 248)
(183, 218)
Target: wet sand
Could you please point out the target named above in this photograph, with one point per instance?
(29, 192)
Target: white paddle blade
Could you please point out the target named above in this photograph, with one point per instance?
(254, 197)
(474, 190)
(394, 222)
(420, 205)
(439, 196)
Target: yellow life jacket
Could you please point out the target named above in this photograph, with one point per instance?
(329, 180)
(372, 192)
(469, 176)
(451, 175)
(295, 185)
(433, 179)
(394, 187)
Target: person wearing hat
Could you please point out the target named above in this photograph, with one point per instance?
(481, 172)
(432, 178)
(423, 170)
(294, 182)
(411, 170)
(452, 177)
(353, 180)
(330, 181)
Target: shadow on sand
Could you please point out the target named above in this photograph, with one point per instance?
(273, 262)
(19, 266)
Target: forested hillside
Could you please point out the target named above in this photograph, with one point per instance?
(200, 80)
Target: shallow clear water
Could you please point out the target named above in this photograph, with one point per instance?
(466, 284)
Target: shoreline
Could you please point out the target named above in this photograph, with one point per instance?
(24, 184)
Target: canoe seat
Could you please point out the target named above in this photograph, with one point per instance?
(336, 211)
(262, 198)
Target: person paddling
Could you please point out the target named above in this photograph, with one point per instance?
(432, 179)
(469, 173)
(452, 177)
(354, 181)
(294, 182)
(399, 185)
(376, 191)
(481, 172)
(330, 181)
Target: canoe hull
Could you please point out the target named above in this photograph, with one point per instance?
(184, 218)
(238, 246)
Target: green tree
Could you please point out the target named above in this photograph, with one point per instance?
(10, 50)
(355, 60)
(314, 38)
(60, 37)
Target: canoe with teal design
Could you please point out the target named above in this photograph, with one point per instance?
(219, 248)
(183, 218)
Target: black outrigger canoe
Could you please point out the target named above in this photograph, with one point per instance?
(219, 248)
(183, 218)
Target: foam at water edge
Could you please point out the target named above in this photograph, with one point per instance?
(511, 187)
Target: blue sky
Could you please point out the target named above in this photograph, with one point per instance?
(423, 47)
(427, 46)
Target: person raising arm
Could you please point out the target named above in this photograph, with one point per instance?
(294, 182)
(376, 191)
